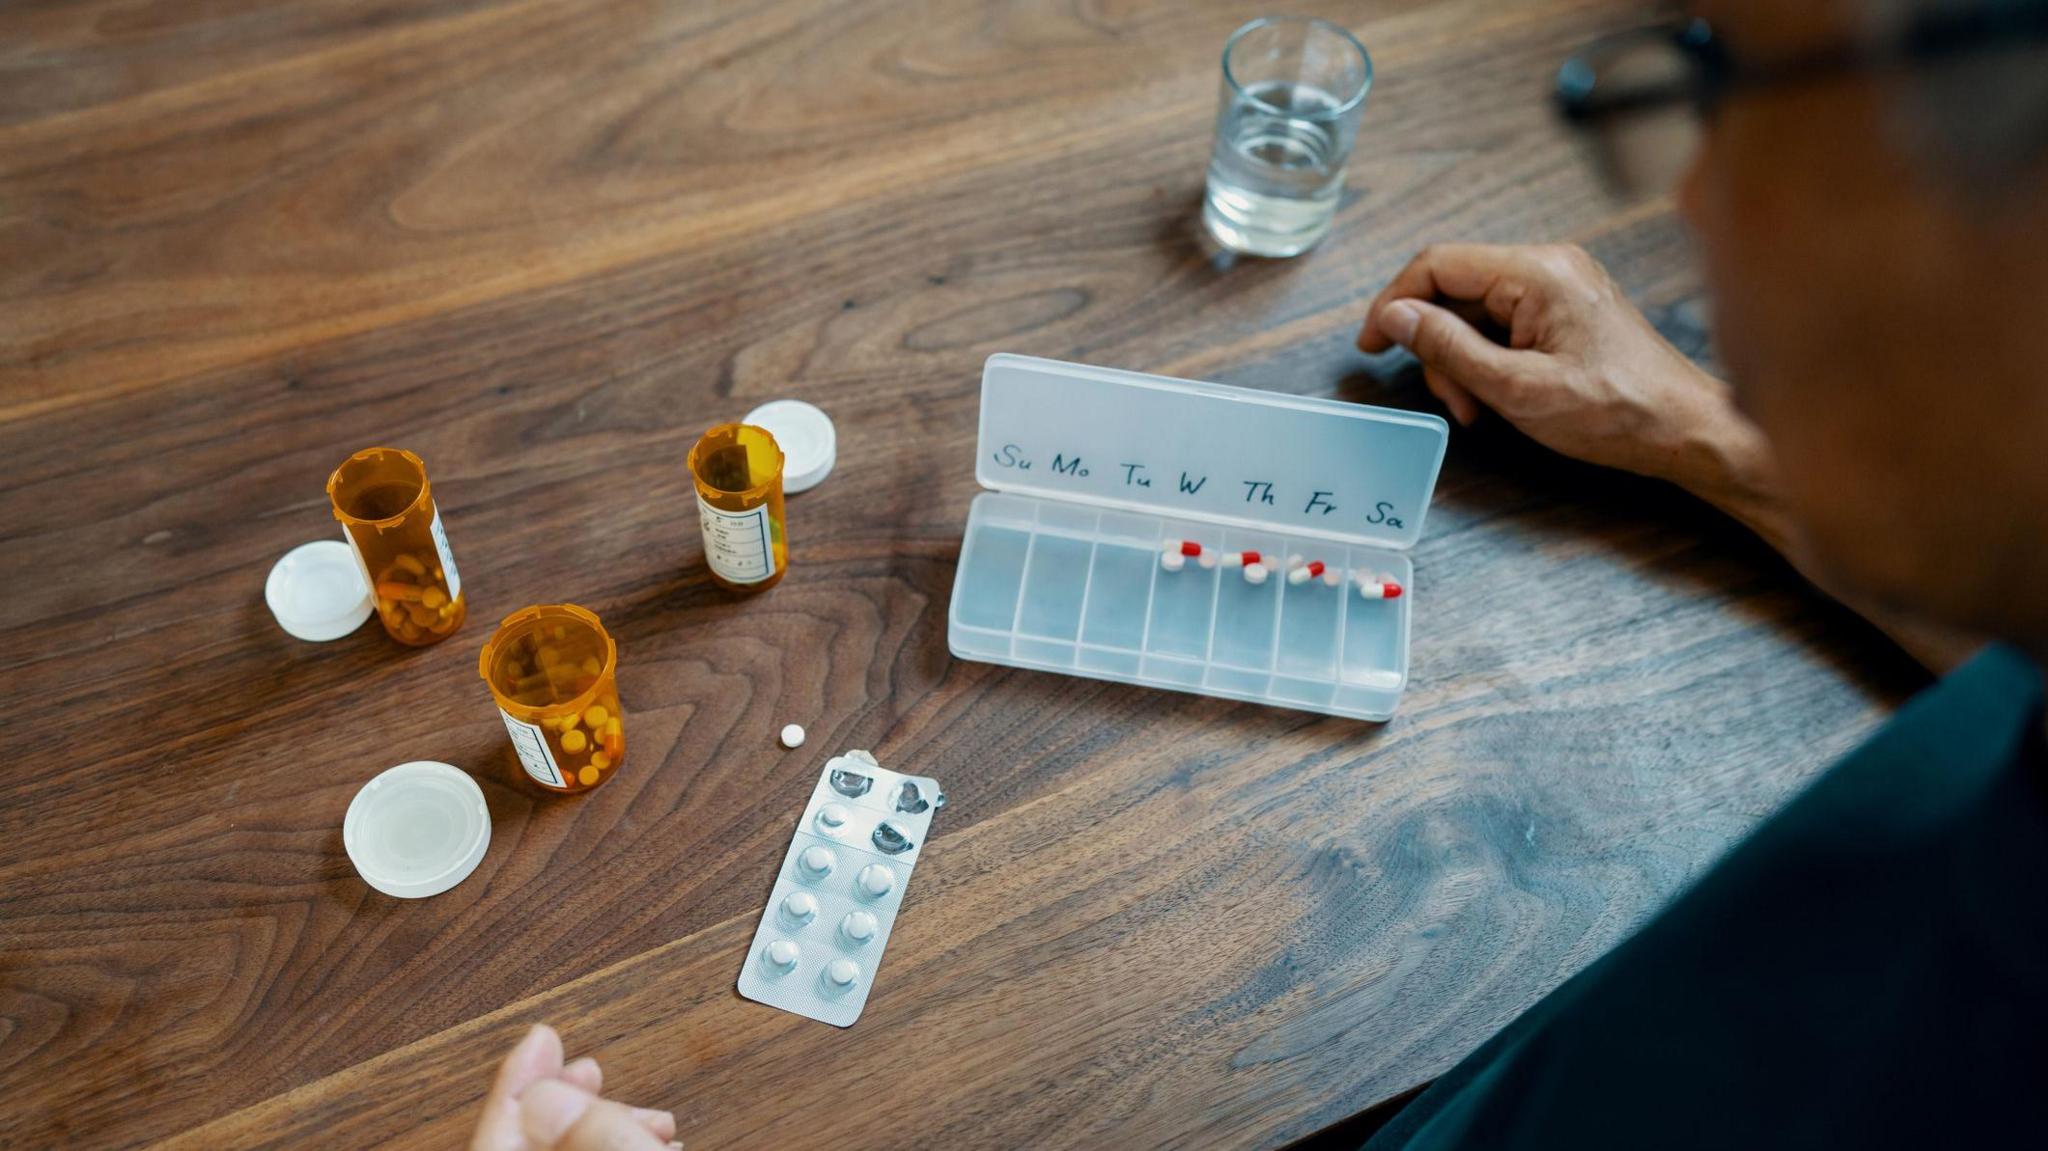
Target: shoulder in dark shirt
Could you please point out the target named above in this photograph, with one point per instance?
(1870, 968)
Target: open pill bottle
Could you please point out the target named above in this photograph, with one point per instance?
(386, 508)
(553, 670)
(738, 472)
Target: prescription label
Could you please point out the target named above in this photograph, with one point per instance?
(736, 543)
(447, 557)
(527, 740)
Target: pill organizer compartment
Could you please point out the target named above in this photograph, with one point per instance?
(1092, 471)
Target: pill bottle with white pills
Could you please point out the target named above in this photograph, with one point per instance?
(553, 671)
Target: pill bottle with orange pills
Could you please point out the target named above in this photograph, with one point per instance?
(738, 472)
(553, 670)
(386, 508)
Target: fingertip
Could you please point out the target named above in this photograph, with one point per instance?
(1399, 320)
(585, 1073)
(1369, 339)
(550, 1107)
(544, 1041)
(662, 1124)
(537, 1055)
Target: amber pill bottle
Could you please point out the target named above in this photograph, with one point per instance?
(738, 472)
(386, 508)
(553, 670)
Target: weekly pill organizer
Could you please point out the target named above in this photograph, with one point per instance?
(1091, 472)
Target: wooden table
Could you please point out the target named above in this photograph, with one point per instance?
(544, 244)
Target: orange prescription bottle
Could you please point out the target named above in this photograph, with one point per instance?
(738, 472)
(554, 671)
(386, 508)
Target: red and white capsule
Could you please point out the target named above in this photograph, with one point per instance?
(1372, 586)
(1302, 573)
(1175, 554)
(1256, 566)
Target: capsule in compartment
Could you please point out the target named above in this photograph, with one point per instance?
(1372, 586)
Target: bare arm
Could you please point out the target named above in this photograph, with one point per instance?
(1585, 374)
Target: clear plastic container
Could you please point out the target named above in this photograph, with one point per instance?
(1096, 472)
(386, 508)
(553, 671)
(738, 472)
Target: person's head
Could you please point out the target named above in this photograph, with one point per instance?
(1877, 248)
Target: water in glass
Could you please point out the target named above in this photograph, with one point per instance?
(1277, 169)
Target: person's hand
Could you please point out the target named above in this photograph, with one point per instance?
(539, 1104)
(1578, 368)
(1583, 373)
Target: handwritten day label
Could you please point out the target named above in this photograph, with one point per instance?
(1207, 451)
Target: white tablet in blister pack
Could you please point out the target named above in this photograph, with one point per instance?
(835, 899)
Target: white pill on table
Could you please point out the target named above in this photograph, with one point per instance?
(832, 815)
(840, 974)
(875, 880)
(1255, 573)
(781, 955)
(817, 861)
(793, 735)
(858, 927)
(1173, 561)
(800, 907)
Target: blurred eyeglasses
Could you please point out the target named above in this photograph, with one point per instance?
(1643, 98)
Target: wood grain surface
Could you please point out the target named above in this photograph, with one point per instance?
(544, 243)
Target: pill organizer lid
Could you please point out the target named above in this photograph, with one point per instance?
(1211, 452)
(809, 443)
(317, 591)
(417, 829)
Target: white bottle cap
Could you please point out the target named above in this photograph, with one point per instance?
(809, 443)
(317, 591)
(417, 829)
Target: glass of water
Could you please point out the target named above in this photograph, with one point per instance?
(1292, 90)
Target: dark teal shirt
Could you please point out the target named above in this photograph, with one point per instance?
(1870, 969)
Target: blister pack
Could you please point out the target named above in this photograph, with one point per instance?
(835, 899)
